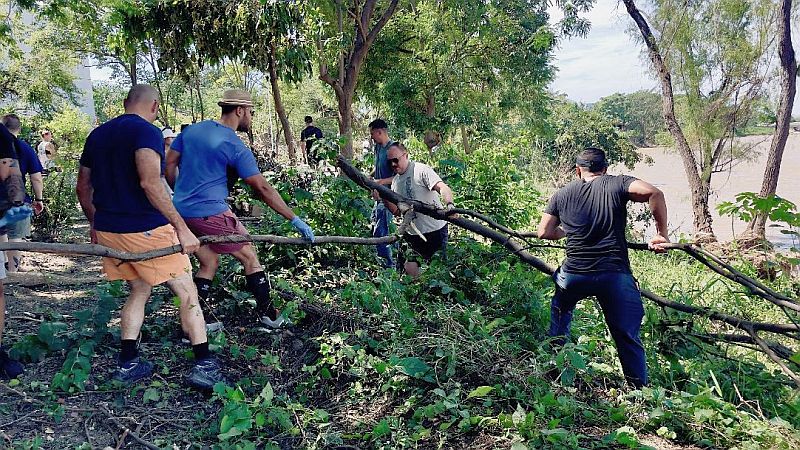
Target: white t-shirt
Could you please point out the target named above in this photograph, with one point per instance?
(41, 151)
(421, 189)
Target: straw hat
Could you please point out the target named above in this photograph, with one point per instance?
(235, 97)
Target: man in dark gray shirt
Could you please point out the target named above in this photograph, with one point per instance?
(591, 213)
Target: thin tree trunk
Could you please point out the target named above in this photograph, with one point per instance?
(699, 190)
(344, 85)
(465, 139)
(279, 108)
(769, 185)
(132, 71)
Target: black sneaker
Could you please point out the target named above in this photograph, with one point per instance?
(133, 371)
(205, 374)
(9, 368)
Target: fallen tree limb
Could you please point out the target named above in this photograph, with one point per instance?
(99, 250)
(123, 428)
(507, 241)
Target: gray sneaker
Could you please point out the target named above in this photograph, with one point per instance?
(205, 374)
(280, 322)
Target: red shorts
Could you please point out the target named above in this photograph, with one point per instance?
(219, 225)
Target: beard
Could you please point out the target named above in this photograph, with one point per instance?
(243, 127)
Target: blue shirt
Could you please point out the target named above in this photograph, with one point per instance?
(208, 150)
(28, 163)
(110, 152)
(382, 167)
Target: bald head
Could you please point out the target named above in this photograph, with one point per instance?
(143, 100)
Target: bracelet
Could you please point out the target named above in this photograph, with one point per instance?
(38, 199)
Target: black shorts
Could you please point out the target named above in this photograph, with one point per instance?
(419, 249)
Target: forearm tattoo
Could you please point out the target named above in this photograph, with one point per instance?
(15, 187)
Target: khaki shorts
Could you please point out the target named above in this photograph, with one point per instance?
(153, 271)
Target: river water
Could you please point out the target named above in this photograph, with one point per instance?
(666, 172)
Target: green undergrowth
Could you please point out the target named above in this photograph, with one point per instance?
(458, 358)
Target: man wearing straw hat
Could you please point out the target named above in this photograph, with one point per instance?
(122, 193)
(203, 155)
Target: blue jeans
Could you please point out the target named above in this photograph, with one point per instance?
(621, 302)
(381, 219)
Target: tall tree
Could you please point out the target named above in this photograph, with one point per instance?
(788, 72)
(267, 36)
(461, 64)
(343, 52)
(713, 50)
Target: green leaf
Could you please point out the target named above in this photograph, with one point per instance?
(381, 429)
(151, 395)
(414, 367)
(480, 391)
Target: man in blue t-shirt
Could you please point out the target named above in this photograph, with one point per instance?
(122, 192)
(383, 174)
(29, 166)
(591, 212)
(204, 154)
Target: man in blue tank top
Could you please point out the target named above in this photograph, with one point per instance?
(591, 213)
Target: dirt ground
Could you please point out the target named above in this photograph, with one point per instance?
(53, 287)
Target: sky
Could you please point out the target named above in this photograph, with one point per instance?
(604, 62)
(607, 60)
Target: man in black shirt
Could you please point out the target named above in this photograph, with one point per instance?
(308, 141)
(591, 213)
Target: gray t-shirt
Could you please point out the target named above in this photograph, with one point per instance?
(420, 188)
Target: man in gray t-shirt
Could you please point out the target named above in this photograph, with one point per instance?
(418, 181)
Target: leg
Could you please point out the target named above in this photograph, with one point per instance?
(257, 284)
(249, 259)
(381, 229)
(14, 257)
(133, 311)
(132, 368)
(209, 262)
(563, 304)
(9, 368)
(192, 320)
(622, 307)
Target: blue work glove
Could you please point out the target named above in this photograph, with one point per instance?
(303, 228)
(15, 214)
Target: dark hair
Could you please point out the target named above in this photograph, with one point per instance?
(307, 119)
(378, 124)
(593, 159)
(227, 109)
(183, 126)
(398, 145)
(11, 121)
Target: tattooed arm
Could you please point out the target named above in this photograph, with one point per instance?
(12, 180)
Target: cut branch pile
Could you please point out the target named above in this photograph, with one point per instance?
(745, 332)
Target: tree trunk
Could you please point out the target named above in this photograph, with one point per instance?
(132, 72)
(465, 139)
(279, 108)
(344, 85)
(346, 125)
(700, 190)
(769, 185)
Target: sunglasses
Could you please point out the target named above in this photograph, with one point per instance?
(396, 160)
